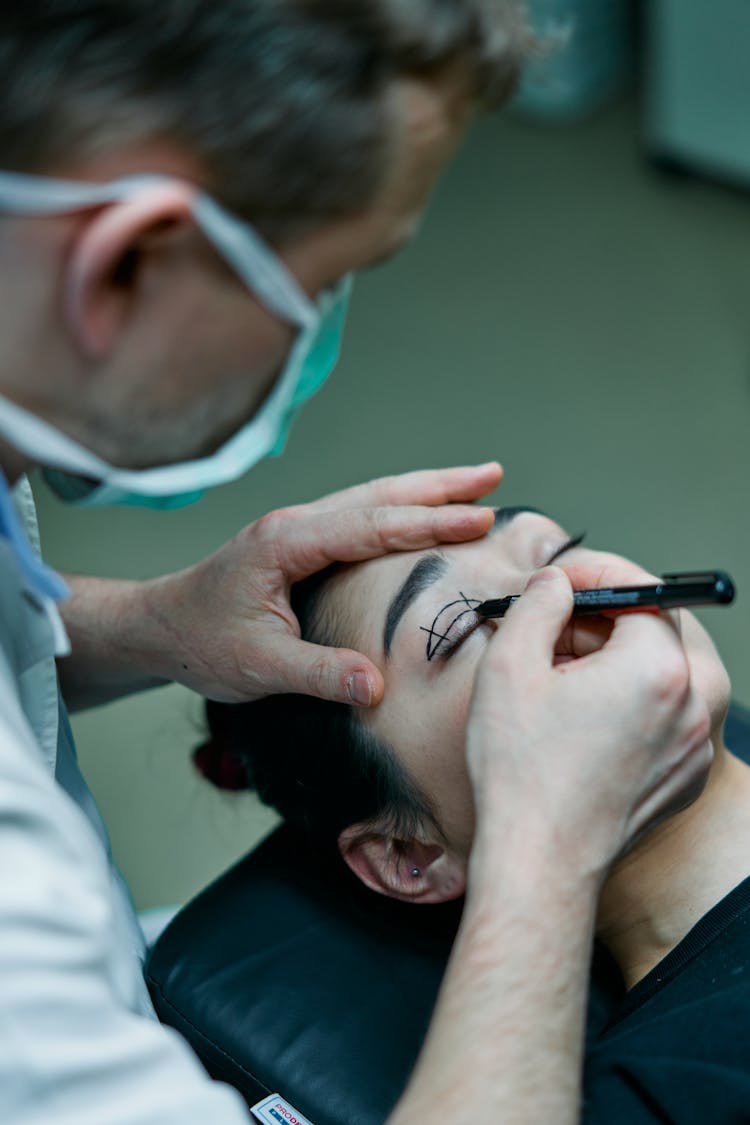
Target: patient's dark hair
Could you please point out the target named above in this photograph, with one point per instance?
(313, 761)
(282, 101)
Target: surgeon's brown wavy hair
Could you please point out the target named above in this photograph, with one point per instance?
(281, 102)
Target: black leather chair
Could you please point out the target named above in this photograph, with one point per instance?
(286, 975)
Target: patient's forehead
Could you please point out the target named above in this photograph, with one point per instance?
(356, 598)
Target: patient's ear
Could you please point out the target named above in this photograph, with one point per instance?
(409, 870)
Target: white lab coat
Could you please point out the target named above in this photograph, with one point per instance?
(79, 1044)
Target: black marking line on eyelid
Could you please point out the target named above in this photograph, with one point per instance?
(445, 637)
(425, 572)
(435, 639)
(438, 638)
(432, 633)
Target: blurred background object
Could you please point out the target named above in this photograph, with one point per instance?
(698, 86)
(565, 309)
(586, 57)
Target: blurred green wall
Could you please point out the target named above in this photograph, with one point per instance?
(565, 310)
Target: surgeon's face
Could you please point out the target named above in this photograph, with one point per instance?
(194, 353)
(413, 618)
(428, 121)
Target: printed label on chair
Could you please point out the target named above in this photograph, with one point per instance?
(273, 1110)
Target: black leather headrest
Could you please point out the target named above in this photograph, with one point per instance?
(286, 975)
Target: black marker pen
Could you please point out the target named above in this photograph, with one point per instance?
(713, 587)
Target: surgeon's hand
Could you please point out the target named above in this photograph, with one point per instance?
(580, 757)
(227, 626)
(571, 760)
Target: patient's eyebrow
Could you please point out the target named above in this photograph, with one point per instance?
(505, 515)
(422, 575)
(429, 569)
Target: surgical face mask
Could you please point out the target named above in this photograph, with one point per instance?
(81, 477)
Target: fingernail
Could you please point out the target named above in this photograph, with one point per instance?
(360, 689)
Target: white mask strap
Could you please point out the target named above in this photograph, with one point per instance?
(244, 250)
(28, 434)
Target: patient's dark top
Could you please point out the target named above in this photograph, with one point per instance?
(676, 1048)
(319, 989)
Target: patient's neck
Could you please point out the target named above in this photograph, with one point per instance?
(657, 892)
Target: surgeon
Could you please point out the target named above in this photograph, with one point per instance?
(186, 190)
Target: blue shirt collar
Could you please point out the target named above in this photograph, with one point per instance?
(39, 577)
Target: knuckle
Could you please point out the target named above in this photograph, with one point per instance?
(381, 490)
(380, 524)
(666, 680)
(275, 526)
(319, 679)
(700, 724)
(269, 525)
(673, 682)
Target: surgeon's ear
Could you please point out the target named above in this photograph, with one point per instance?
(104, 265)
(409, 870)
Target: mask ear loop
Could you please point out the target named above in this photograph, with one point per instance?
(259, 267)
(262, 271)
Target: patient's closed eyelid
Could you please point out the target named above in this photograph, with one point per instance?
(567, 546)
(439, 637)
(442, 641)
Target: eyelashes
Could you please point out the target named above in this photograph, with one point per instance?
(571, 543)
(441, 640)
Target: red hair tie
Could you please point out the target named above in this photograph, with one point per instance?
(221, 767)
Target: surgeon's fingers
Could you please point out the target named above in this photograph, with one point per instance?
(584, 635)
(610, 571)
(340, 675)
(533, 625)
(427, 486)
(306, 544)
(587, 634)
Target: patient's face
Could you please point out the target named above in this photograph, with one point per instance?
(410, 613)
